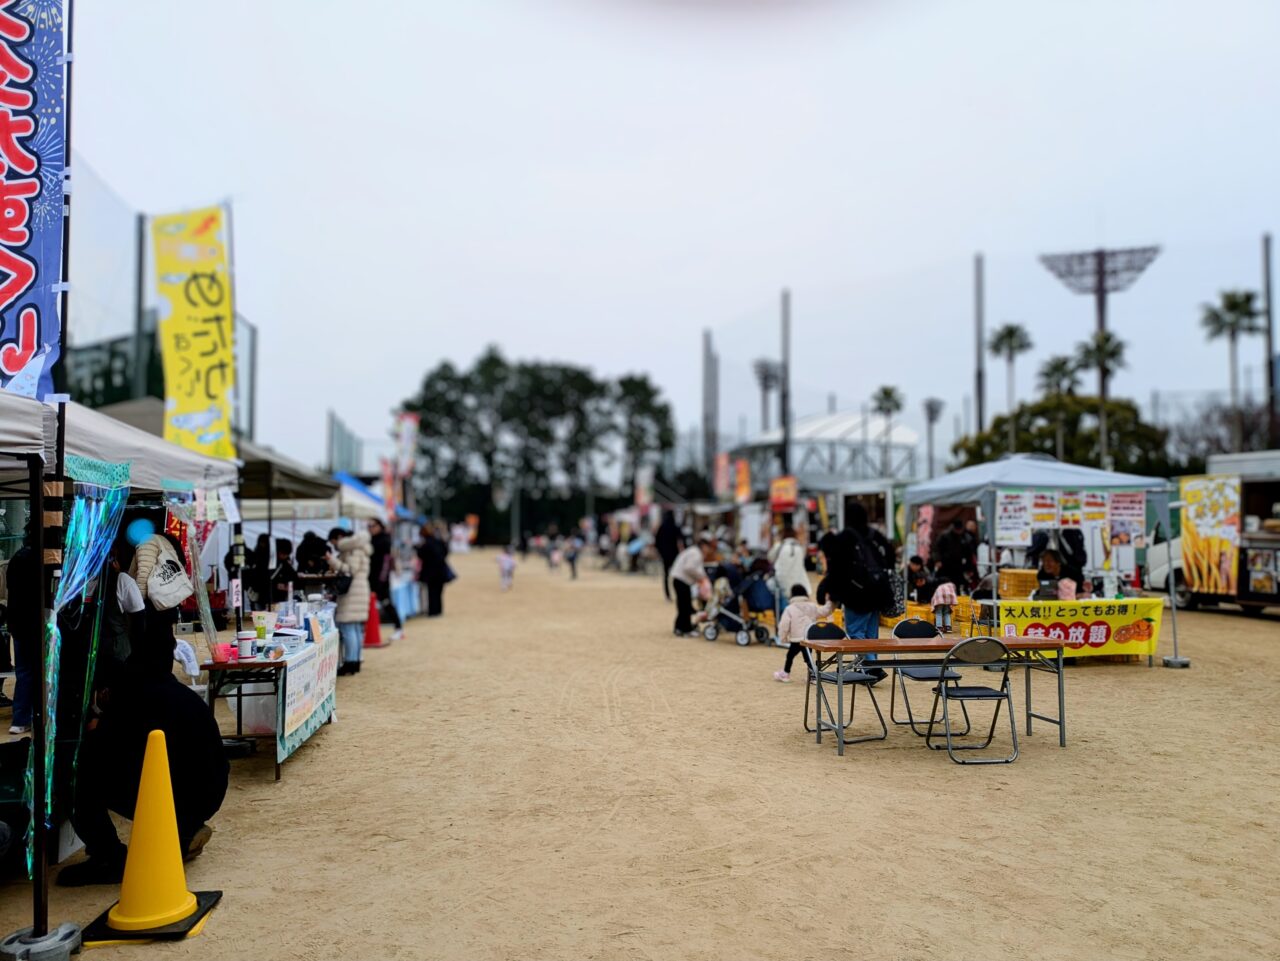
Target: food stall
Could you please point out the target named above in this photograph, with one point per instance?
(1022, 494)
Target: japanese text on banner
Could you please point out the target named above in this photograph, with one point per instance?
(1122, 626)
(197, 329)
(32, 127)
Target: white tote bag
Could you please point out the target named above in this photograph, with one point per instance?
(168, 584)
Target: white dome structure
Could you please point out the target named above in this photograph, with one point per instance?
(830, 450)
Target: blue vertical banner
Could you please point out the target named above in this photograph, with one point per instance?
(33, 113)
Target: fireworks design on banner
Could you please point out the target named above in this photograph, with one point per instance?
(41, 13)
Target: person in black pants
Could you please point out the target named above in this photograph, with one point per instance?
(687, 572)
(433, 569)
(380, 566)
(669, 542)
(148, 698)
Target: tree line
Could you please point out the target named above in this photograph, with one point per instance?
(544, 432)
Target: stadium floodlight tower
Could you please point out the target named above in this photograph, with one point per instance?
(1101, 272)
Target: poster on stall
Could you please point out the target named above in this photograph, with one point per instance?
(1094, 508)
(1210, 533)
(1262, 570)
(1129, 518)
(33, 111)
(196, 329)
(1069, 511)
(1013, 518)
(784, 493)
(742, 482)
(1128, 626)
(1044, 510)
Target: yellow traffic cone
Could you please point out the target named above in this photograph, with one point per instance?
(154, 901)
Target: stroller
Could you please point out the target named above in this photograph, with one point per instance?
(724, 609)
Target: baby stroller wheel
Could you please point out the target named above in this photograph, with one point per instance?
(711, 632)
(743, 638)
(762, 634)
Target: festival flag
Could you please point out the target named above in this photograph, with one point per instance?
(196, 329)
(32, 159)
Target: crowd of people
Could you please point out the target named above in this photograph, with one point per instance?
(356, 568)
(858, 571)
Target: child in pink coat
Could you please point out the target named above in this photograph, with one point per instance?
(800, 615)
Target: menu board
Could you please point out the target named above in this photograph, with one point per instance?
(1013, 518)
(1044, 510)
(1129, 518)
(1069, 510)
(1262, 570)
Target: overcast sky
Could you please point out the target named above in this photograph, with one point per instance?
(598, 180)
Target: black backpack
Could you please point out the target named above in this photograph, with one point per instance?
(869, 576)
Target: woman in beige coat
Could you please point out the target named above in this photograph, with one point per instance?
(353, 607)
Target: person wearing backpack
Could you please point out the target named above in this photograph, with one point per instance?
(159, 571)
(859, 559)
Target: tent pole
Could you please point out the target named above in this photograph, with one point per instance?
(270, 489)
(1176, 660)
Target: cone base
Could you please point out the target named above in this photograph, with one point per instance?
(100, 931)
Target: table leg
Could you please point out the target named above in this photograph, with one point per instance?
(817, 697)
(240, 710)
(840, 704)
(1027, 667)
(1062, 703)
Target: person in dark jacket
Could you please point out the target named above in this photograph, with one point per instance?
(148, 698)
(433, 569)
(669, 543)
(380, 567)
(23, 576)
(954, 555)
(858, 561)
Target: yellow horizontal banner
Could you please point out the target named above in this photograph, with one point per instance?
(1089, 628)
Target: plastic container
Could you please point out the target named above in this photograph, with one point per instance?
(244, 644)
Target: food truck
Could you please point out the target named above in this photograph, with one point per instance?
(1228, 546)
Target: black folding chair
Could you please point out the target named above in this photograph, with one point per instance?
(853, 679)
(975, 651)
(919, 629)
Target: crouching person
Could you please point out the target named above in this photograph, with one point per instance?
(147, 698)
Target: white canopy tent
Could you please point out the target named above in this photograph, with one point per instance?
(26, 427)
(1030, 472)
(155, 464)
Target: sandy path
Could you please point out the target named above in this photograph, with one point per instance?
(550, 774)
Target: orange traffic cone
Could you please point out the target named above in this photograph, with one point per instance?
(154, 901)
(373, 626)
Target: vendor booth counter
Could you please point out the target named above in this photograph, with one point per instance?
(284, 701)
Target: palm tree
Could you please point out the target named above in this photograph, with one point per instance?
(1235, 314)
(886, 402)
(1059, 377)
(1103, 352)
(932, 411)
(1008, 342)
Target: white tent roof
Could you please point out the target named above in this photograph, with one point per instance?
(26, 426)
(153, 461)
(351, 503)
(842, 428)
(1022, 472)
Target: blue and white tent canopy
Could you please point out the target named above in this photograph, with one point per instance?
(970, 485)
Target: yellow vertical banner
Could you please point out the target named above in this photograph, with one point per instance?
(196, 329)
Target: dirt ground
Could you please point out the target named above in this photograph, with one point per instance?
(550, 773)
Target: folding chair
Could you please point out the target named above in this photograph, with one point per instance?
(918, 628)
(853, 678)
(985, 651)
